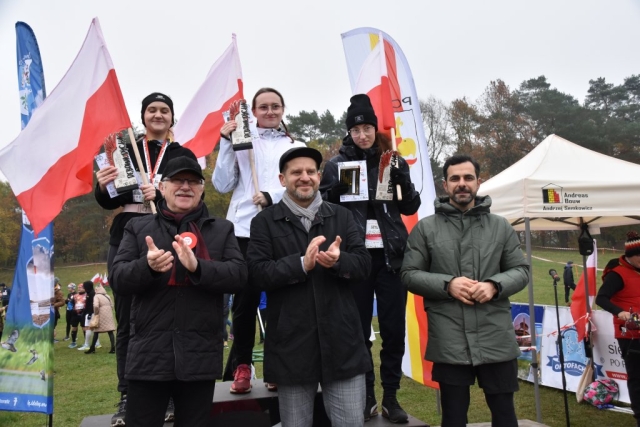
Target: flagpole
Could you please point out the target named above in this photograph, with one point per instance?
(254, 176)
(143, 175)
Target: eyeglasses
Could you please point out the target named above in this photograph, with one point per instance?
(265, 108)
(179, 182)
(366, 130)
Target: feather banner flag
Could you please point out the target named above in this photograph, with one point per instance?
(374, 81)
(365, 46)
(578, 299)
(199, 127)
(30, 316)
(51, 160)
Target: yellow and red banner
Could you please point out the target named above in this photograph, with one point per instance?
(384, 73)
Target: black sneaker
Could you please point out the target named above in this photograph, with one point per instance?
(118, 419)
(391, 409)
(169, 414)
(370, 408)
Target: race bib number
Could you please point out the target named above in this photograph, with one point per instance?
(373, 238)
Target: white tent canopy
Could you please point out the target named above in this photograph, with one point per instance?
(559, 184)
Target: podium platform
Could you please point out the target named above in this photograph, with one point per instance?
(257, 409)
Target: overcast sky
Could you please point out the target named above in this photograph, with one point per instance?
(455, 48)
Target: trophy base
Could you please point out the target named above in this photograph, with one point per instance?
(242, 146)
(125, 189)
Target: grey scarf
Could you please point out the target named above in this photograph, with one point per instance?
(306, 215)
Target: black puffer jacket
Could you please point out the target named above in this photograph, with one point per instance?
(387, 213)
(117, 227)
(176, 331)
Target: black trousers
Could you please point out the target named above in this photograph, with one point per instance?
(391, 295)
(147, 403)
(244, 312)
(123, 312)
(567, 291)
(68, 317)
(630, 350)
(498, 381)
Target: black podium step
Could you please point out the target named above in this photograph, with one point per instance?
(259, 408)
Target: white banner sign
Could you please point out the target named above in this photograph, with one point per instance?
(608, 362)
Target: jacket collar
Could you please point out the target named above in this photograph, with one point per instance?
(482, 206)
(281, 211)
(350, 150)
(269, 133)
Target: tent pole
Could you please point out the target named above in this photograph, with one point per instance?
(588, 344)
(532, 320)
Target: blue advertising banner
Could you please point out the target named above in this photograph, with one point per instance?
(26, 348)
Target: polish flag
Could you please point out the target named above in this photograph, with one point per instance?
(578, 300)
(51, 160)
(199, 127)
(96, 279)
(374, 81)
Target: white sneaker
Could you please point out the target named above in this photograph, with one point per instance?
(84, 347)
(98, 345)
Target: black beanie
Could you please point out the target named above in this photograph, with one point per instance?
(157, 96)
(632, 245)
(361, 112)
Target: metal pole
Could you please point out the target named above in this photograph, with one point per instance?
(588, 348)
(532, 320)
(561, 355)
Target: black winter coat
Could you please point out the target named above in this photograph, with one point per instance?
(394, 232)
(176, 331)
(313, 326)
(173, 151)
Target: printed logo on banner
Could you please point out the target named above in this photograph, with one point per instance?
(552, 194)
(555, 198)
(574, 358)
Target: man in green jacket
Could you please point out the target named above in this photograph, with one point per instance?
(466, 262)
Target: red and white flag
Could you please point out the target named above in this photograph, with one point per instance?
(374, 81)
(96, 279)
(199, 127)
(51, 160)
(578, 300)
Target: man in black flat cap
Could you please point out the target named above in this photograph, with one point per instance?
(307, 253)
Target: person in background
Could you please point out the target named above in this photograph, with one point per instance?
(103, 308)
(569, 283)
(58, 301)
(87, 313)
(385, 236)
(177, 286)
(71, 291)
(466, 262)
(620, 296)
(306, 254)
(79, 300)
(233, 173)
(156, 148)
(3, 310)
(5, 291)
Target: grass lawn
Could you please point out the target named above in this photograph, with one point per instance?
(86, 384)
